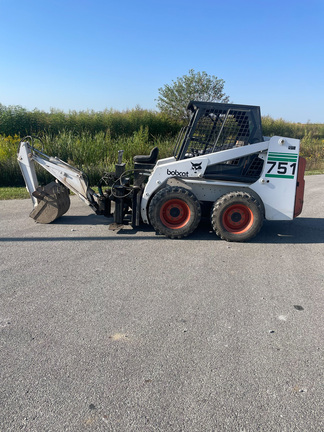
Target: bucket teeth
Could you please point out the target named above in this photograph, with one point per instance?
(53, 202)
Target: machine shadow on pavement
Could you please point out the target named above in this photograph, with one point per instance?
(91, 219)
(299, 231)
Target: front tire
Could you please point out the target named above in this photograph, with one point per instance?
(237, 216)
(174, 212)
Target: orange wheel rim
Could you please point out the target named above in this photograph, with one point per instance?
(175, 214)
(238, 218)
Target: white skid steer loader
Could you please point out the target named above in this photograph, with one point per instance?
(222, 167)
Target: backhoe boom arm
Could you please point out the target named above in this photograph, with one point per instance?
(53, 195)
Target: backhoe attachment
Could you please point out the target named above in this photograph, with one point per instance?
(52, 201)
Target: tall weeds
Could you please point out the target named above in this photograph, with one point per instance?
(17, 120)
(93, 154)
(311, 136)
(90, 140)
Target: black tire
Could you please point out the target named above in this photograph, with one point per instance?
(237, 216)
(174, 212)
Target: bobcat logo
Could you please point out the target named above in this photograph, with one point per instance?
(196, 166)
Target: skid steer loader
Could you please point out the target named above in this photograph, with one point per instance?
(222, 166)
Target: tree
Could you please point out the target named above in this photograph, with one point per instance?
(174, 98)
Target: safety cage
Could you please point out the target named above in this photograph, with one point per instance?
(218, 126)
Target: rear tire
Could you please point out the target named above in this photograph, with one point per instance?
(237, 216)
(174, 212)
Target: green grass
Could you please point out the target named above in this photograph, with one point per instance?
(9, 193)
(314, 172)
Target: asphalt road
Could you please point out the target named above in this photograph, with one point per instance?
(129, 331)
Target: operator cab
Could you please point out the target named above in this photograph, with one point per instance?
(218, 126)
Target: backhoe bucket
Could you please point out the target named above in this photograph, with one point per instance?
(53, 201)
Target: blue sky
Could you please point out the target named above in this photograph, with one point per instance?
(97, 54)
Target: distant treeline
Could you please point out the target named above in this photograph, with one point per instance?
(90, 140)
(15, 120)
